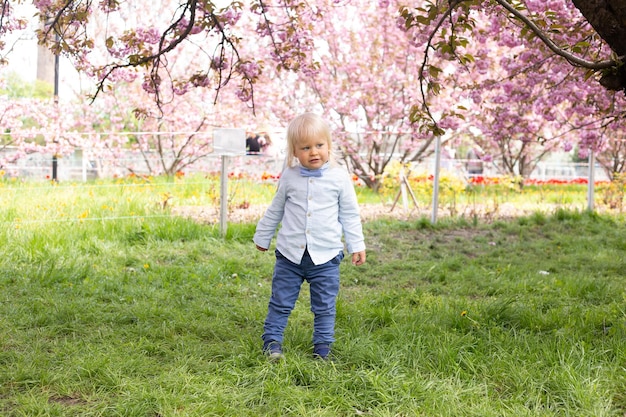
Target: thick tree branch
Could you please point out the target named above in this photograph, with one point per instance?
(573, 59)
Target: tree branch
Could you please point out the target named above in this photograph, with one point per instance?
(155, 58)
(571, 58)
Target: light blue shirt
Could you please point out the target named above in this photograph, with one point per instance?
(316, 212)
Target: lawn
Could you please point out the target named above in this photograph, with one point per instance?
(111, 307)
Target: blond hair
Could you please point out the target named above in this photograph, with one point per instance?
(303, 127)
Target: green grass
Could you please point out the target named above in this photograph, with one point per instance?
(161, 316)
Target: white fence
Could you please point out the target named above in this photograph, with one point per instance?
(76, 167)
(544, 171)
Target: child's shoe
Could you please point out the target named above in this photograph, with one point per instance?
(273, 350)
(321, 351)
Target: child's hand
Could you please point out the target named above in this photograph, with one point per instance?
(358, 258)
(260, 248)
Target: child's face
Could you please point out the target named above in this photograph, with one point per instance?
(312, 153)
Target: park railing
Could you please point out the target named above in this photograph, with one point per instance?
(83, 165)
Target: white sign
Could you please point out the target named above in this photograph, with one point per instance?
(230, 142)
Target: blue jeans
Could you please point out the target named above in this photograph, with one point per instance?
(286, 282)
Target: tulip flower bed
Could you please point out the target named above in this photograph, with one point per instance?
(504, 196)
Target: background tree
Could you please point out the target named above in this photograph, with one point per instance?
(525, 97)
(511, 46)
(42, 126)
(180, 117)
(613, 158)
(365, 85)
(140, 39)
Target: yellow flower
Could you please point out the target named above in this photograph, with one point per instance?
(474, 322)
(146, 266)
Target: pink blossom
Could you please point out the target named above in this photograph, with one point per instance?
(249, 69)
(43, 4)
(108, 6)
(149, 36)
(149, 85)
(200, 80)
(219, 63)
(244, 95)
(181, 89)
(231, 17)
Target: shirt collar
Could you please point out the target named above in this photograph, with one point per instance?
(305, 172)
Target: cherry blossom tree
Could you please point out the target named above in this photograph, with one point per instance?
(179, 119)
(534, 73)
(43, 126)
(286, 24)
(139, 40)
(529, 76)
(365, 84)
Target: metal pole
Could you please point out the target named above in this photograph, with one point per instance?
(224, 196)
(84, 165)
(433, 219)
(56, 103)
(591, 181)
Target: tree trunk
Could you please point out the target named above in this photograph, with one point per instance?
(608, 18)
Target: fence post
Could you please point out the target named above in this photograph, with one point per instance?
(227, 142)
(83, 164)
(433, 219)
(591, 181)
(224, 196)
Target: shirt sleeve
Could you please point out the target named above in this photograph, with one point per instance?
(350, 217)
(266, 227)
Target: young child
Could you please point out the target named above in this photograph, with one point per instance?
(316, 205)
